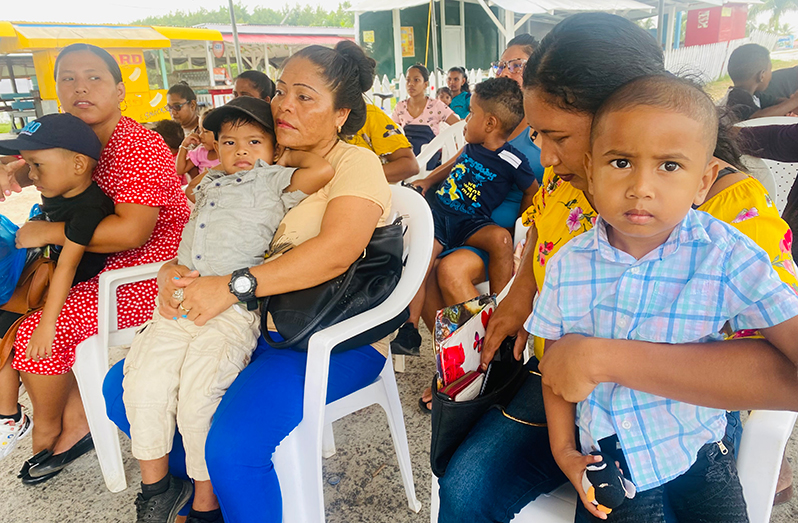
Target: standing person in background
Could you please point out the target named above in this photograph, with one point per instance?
(254, 84)
(420, 116)
(181, 101)
(457, 80)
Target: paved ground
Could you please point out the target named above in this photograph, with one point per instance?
(363, 484)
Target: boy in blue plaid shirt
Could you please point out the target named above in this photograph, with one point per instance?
(654, 269)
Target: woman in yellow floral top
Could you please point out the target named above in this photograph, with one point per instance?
(504, 464)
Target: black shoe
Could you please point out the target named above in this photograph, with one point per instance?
(24, 473)
(163, 508)
(407, 341)
(57, 462)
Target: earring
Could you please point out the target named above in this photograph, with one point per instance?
(339, 129)
(123, 109)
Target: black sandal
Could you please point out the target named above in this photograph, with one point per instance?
(422, 405)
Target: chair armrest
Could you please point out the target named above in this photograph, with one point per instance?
(109, 282)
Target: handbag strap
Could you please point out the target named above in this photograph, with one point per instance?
(313, 324)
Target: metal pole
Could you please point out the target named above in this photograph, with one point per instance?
(434, 29)
(678, 36)
(209, 62)
(397, 43)
(163, 69)
(239, 62)
(660, 20)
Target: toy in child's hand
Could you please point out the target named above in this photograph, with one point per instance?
(604, 484)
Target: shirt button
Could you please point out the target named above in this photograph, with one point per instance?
(202, 226)
(218, 184)
(626, 425)
(636, 270)
(238, 180)
(199, 257)
(212, 204)
(622, 322)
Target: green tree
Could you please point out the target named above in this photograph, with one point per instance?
(776, 8)
(296, 15)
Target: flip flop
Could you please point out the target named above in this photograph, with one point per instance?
(783, 496)
(422, 405)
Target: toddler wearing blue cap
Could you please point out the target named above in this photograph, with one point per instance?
(61, 151)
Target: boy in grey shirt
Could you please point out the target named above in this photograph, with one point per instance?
(177, 372)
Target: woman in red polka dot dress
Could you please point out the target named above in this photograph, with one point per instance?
(137, 171)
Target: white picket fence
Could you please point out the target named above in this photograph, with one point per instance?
(398, 88)
(708, 62)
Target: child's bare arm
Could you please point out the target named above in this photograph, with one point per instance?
(313, 172)
(561, 421)
(782, 108)
(182, 163)
(438, 175)
(41, 341)
(193, 184)
(784, 337)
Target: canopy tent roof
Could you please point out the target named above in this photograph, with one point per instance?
(283, 35)
(518, 6)
(20, 36)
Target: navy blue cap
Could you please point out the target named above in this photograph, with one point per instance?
(259, 110)
(55, 131)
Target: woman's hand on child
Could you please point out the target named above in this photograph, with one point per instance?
(171, 277)
(35, 234)
(566, 367)
(40, 345)
(205, 298)
(573, 464)
(8, 179)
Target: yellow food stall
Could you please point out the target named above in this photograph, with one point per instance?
(127, 44)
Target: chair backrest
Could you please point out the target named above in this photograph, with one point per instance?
(449, 141)
(782, 174)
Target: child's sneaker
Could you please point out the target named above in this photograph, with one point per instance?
(11, 432)
(163, 508)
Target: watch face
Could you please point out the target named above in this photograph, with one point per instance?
(242, 284)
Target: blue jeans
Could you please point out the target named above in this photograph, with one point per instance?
(259, 409)
(501, 467)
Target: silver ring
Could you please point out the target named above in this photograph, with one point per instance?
(178, 295)
(183, 308)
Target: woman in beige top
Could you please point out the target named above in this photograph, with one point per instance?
(318, 98)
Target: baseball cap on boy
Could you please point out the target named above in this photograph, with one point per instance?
(55, 131)
(258, 109)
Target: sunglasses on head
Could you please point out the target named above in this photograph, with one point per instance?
(513, 66)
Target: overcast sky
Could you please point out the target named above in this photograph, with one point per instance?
(121, 11)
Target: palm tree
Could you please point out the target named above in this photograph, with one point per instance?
(776, 8)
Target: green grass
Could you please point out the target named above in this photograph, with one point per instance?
(719, 87)
(5, 127)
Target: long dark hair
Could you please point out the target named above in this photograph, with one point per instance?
(183, 90)
(587, 56)
(106, 57)
(261, 81)
(349, 74)
(421, 70)
(462, 71)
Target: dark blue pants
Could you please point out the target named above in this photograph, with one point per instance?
(501, 467)
(261, 407)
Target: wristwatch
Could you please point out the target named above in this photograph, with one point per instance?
(242, 285)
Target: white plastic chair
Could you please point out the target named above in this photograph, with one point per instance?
(781, 176)
(91, 365)
(298, 459)
(449, 141)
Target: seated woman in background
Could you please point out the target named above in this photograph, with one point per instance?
(254, 84)
(457, 80)
(420, 116)
(181, 102)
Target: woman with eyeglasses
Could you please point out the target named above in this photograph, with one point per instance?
(420, 116)
(181, 102)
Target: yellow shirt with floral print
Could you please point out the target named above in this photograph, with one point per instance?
(561, 212)
(379, 134)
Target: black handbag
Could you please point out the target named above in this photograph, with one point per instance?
(368, 282)
(452, 420)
